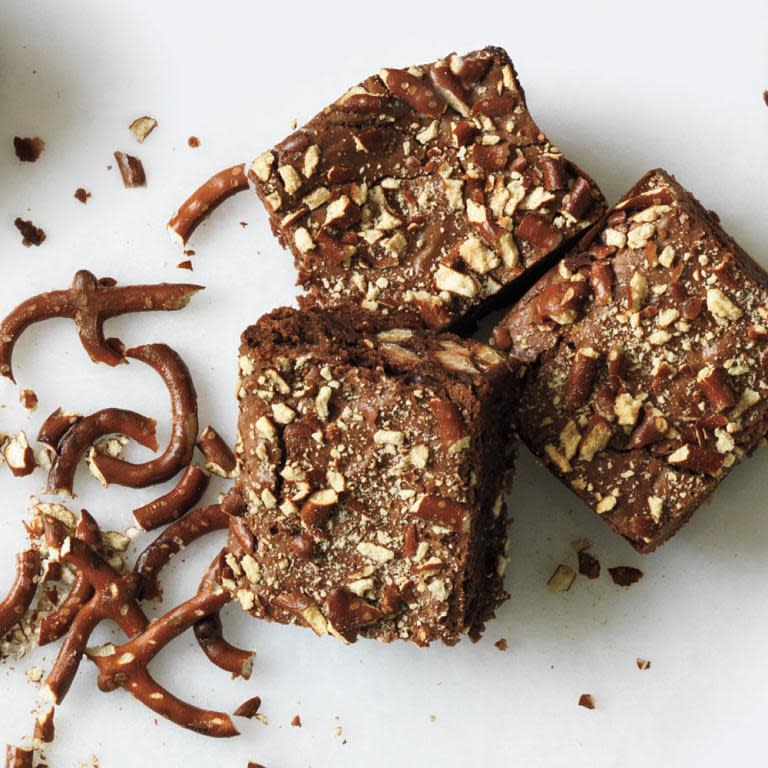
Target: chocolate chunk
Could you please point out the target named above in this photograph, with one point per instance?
(589, 565)
(625, 575)
(28, 150)
(30, 234)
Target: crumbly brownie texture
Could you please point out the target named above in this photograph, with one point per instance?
(373, 463)
(647, 354)
(423, 191)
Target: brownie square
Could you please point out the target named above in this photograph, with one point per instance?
(423, 192)
(647, 361)
(373, 463)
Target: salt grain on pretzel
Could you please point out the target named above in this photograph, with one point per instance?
(22, 592)
(175, 537)
(83, 434)
(114, 598)
(125, 666)
(204, 200)
(177, 502)
(219, 458)
(209, 634)
(90, 302)
(178, 454)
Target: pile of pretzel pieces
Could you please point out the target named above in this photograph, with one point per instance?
(99, 590)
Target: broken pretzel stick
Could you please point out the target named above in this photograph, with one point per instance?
(82, 435)
(114, 598)
(172, 540)
(219, 458)
(125, 666)
(181, 446)
(177, 502)
(22, 591)
(90, 302)
(55, 427)
(18, 757)
(204, 200)
(209, 633)
(57, 623)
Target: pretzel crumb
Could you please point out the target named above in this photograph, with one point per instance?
(193, 142)
(502, 644)
(30, 234)
(587, 700)
(82, 195)
(142, 126)
(296, 722)
(643, 663)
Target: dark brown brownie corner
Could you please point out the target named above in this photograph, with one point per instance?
(647, 355)
(424, 192)
(373, 465)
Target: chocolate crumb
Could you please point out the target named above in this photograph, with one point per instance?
(625, 575)
(587, 700)
(131, 170)
(589, 565)
(185, 265)
(243, 224)
(249, 708)
(28, 150)
(502, 644)
(255, 765)
(643, 664)
(296, 722)
(82, 195)
(765, 98)
(30, 234)
(193, 142)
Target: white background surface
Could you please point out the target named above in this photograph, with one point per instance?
(621, 87)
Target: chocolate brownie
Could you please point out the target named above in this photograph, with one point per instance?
(423, 191)
(647, 355)
(373, 462)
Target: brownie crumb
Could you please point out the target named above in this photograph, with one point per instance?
(643, 664)
(30, 234)
(587, 700)
(193, 142)
(589, 565)
(625, 575)
(502, 644)
(82, 195)
(131, 170)
(296, 722)
(249, 708)
(185, 265)
(28, 150)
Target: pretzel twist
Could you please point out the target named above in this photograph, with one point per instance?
(89, 302)
(178, 454)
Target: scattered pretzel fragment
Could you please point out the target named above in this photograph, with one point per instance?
(19, 456)
(82, 195)
(27, 149)
(142, 126)
(44, 727)
(90, 302)
(114, 598)
(204, 200)
(55, 427)
(181, 446)
(18, 757)
(587, 700)
(125, 666)
(30, 234)
(83, 433)
(562, 578)
(131, 170)
(219, 457)
(172, 540)
(643, 664)
(209, 634)
(177, 502)
(22, 592)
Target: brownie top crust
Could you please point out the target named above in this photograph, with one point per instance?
(423, 192)
(372, 463)
(648, 360)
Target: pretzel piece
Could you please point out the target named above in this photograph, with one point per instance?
(18, 757)
(175, 537)
(83, 433)
(219, 457)
(89, 302)
(178, 454)
(22, 592)
(114, 598)
(125, 666)
(204, 200)
(177, 502)
(53, 429)
(209, 634)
